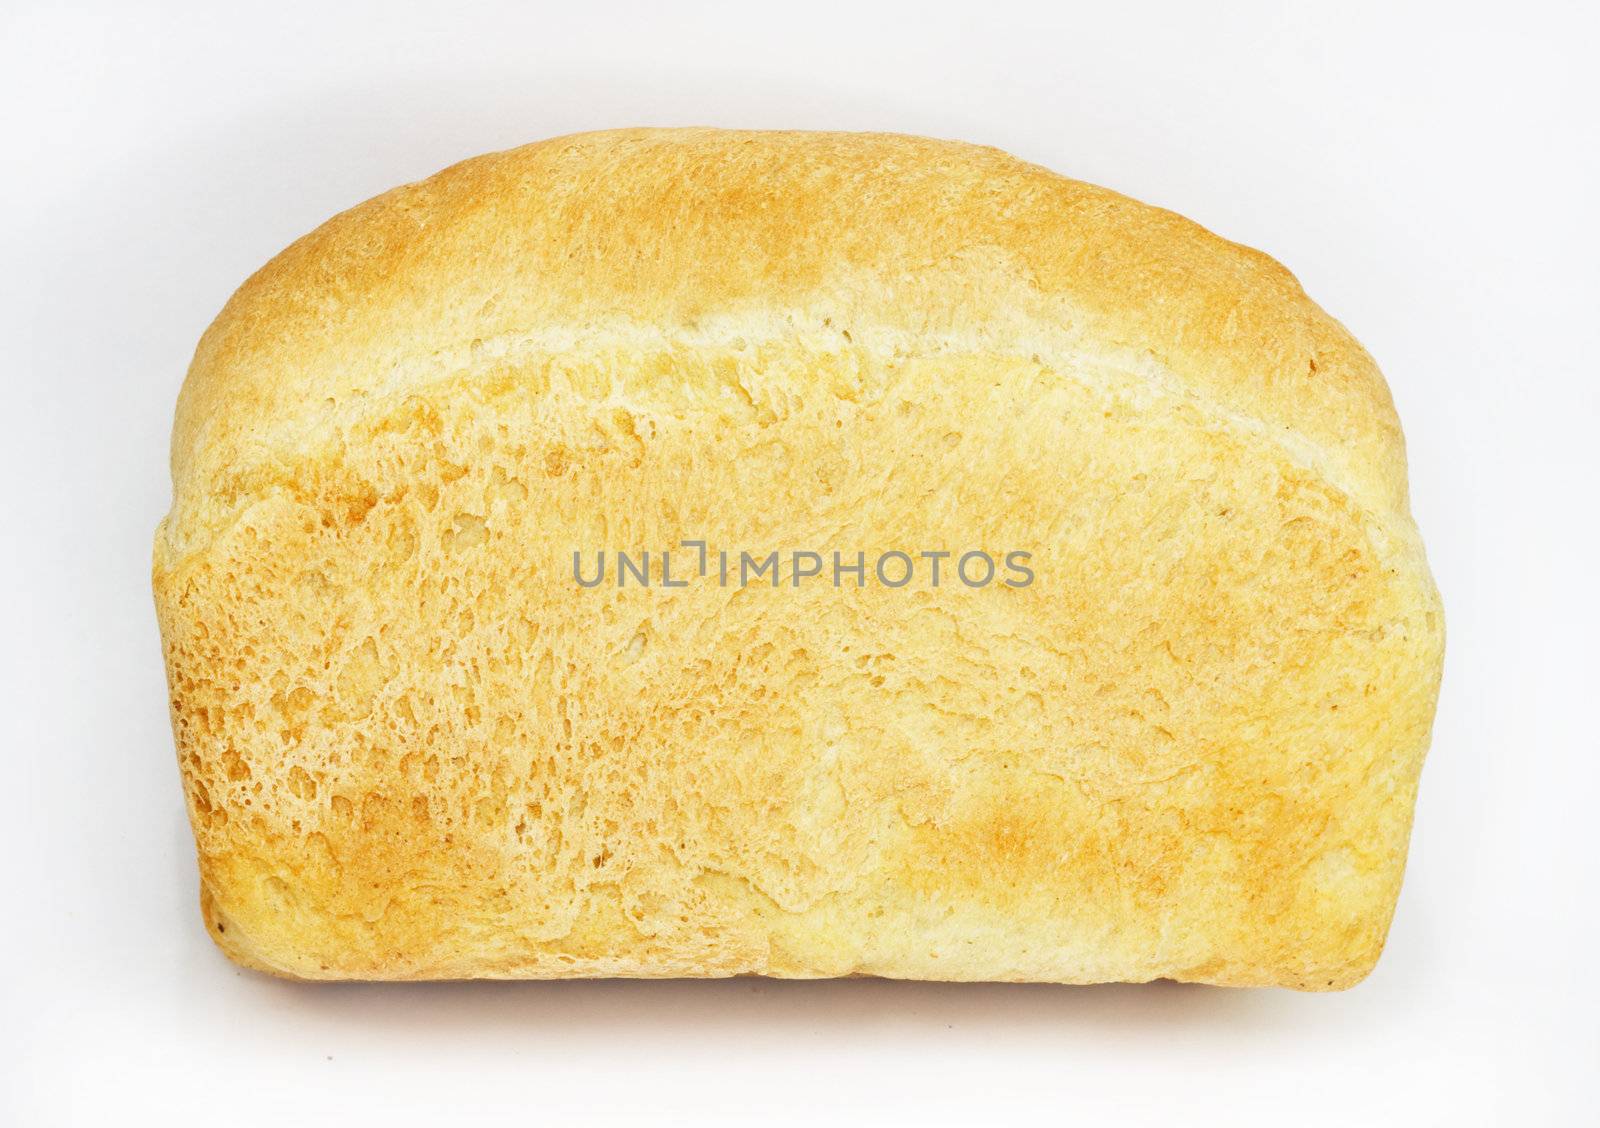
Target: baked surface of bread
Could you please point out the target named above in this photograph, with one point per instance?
(414, 747)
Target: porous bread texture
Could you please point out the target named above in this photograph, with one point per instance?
(414, 748)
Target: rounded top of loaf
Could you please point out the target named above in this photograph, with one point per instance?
(883, 241)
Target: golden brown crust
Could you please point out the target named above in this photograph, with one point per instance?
(411, 750)
(677, 227)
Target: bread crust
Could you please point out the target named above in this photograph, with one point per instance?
(411, 749)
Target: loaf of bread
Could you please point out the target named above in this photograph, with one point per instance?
(702, 553)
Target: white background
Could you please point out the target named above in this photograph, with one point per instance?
(1430, 175)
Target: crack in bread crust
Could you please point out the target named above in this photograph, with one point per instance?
(1110, 373)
